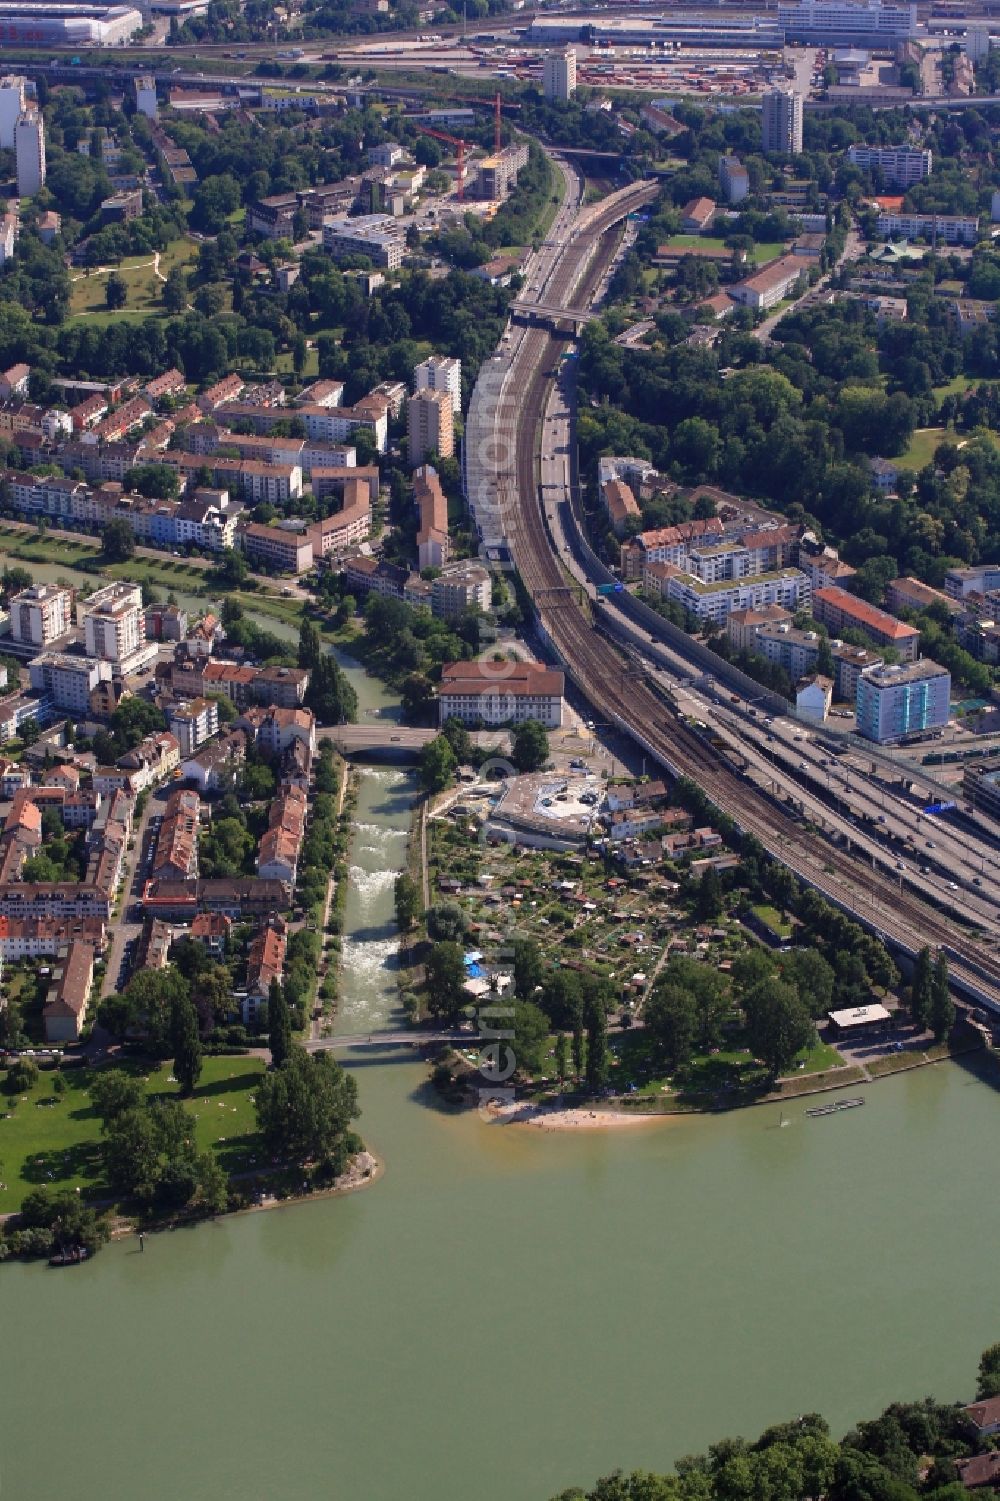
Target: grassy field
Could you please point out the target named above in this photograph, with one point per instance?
(707, 1077)
(145, 288)
(920, 450)
(767, 251)
(52, 1138)
(772, 918)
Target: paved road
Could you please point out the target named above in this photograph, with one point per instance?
(854, 249)
(126, 930)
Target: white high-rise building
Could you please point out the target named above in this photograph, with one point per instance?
(114, 623)
(782, 122)
(12, 97)
(559, 75)
(145, 96)
(29, 144)
(439, 372)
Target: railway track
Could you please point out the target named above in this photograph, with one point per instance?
(606, 679)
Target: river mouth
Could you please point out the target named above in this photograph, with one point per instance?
(510, 1312)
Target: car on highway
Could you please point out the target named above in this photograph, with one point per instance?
(977, 880)
(930, 844)
(952, 885)
(900, 865)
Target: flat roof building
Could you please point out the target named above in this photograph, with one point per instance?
(894, 701)
(376, 236)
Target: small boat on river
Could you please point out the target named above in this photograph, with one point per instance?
(835, 1107)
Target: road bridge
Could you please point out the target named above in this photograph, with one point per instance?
(382, 738)
(546, 312)
(374, 1040)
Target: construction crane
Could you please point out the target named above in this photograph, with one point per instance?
(459, 144)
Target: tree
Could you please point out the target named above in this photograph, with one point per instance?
(531, 1037)
(988, 1384)
(310, 646)
(279, 1024)
(174, 292)
(407, 894)
(530, 747)
(528, 972)
(113, 1092)
(812, 977)
(709, 899)
(304, 1109)
(118, 541)
(562, 1055)
(922, 989)
(330, 695)
(157, 481)
(115, 292)
(446, 922)
(671, 1022)
(186, 1043)
(597, 1044)
(436, 764)
(778, 1024)
(941, 1015)
(458, 737)
(445, 975)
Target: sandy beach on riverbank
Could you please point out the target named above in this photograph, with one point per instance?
(561, 1118)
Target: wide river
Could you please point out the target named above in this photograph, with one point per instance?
(509, 1311)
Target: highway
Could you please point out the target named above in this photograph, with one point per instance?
(620, 692)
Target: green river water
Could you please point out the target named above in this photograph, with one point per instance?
(509, 1311)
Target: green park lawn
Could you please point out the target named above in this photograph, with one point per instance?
(768, 250)
(145, 288)
(920, 450)
(52, 1138)
(730, 1070)
(773, 919)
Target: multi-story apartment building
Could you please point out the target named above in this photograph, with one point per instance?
(429, 426)
(840, 611)
(433, 543)
(734, 179)
(559, 75)
(718, 598)
(192, 723)
(115, 625)
(439, 372)
(782, 122)
(288, 552)
(900, 165)
(949, 229)
(906, 699)
(29, 146)
(496, 693)
(498, 173)
(41, 614)
(67, 682)
(460, 587)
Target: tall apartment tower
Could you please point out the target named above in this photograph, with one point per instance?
(29, 144)
(145, 95)
(734, 179)
(429, 426)
(439, 372)
(12, 99)
(559, 75)
(782, 126)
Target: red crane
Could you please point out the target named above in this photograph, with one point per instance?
(459, 144)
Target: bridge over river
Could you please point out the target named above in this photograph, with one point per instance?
(382, 738)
